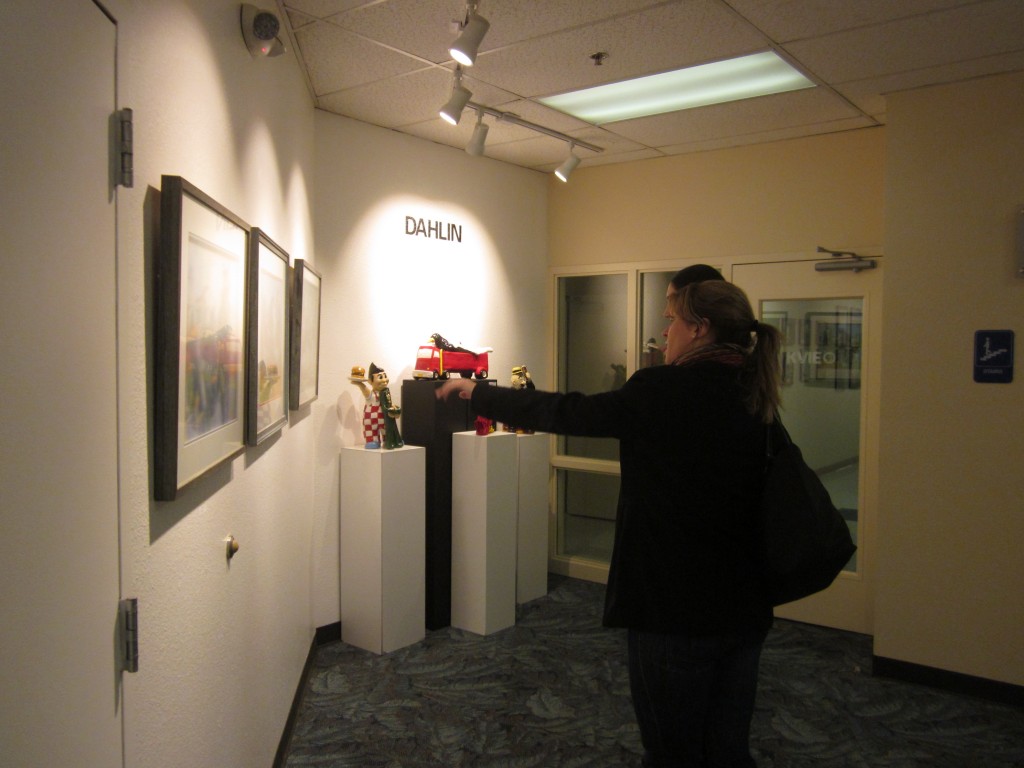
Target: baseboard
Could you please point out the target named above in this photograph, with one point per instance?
(956, 682)
(328, 634)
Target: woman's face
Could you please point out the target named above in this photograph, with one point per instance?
(681, 336)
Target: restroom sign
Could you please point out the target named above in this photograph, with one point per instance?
(993, 356)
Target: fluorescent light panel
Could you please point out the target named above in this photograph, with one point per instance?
(759, 74)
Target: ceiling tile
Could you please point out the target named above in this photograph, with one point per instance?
(620, 157)
(915, 43)
(762, 137)
(869, 94)
(338, 59)
(297, 19)
(786, 20)
(667, 37)
(532, 153)
(611, 143)
(321, 9)
(412, 97)
(428, 27)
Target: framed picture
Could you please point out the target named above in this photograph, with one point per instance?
(780, 320)
(304, 365)
(832, 341)
(200, 337)
(267, 331)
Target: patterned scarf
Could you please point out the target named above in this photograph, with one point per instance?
(726, 354)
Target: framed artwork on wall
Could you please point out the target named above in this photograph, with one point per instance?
(781, 321)
(304, 362)
(832, 343)
(199, 392)
(267, 333)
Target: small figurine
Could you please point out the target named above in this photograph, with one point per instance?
(484, 426)
(380, 414)
(520, 380)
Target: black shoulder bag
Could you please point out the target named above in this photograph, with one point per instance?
(806, 541)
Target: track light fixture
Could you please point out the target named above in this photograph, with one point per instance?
(473, 29)
(463, 51)
(476, 143)
(452, 111)
(566, 168)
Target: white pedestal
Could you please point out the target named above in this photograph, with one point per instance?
(382, 548)
(484, 494)
(532, 518)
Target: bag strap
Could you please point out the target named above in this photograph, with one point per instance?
(776, 437)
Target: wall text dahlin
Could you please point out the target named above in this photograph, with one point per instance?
(439, 230)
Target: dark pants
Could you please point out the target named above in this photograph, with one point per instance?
(694, 697)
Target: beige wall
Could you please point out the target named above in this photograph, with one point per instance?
(781, 198)
(951, 572)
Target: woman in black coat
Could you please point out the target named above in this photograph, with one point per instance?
(684, 576)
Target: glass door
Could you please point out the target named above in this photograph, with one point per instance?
(593, 333)
(830, 363)
(652, 322)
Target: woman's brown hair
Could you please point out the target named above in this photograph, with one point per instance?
(726, 310)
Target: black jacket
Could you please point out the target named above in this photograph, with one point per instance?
(692, 462)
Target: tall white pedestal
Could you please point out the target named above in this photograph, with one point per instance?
(382, 548)
(532, 517)
(484, 498)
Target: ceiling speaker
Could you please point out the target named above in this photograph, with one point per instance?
(260, 30)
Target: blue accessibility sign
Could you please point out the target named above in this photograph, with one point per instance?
(993, 356)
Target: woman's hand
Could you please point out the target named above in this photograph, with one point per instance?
(463, 386)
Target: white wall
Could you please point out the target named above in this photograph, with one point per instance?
(221, 646)
(385, 292)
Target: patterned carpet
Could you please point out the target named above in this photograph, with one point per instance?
(553, 691)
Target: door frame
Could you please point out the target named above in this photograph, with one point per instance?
(849, 603)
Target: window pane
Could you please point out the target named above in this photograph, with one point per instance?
(592, 314)
(586, 514)
(652, 317)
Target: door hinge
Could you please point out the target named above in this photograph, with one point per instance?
(125, 149)
(130, 634)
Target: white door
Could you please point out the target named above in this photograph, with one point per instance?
(831, 368)
(59, 684)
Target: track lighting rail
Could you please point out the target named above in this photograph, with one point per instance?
(509, 117)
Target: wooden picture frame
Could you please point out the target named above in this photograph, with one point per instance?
(200, 337)
(267, 332)
(304, 338)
